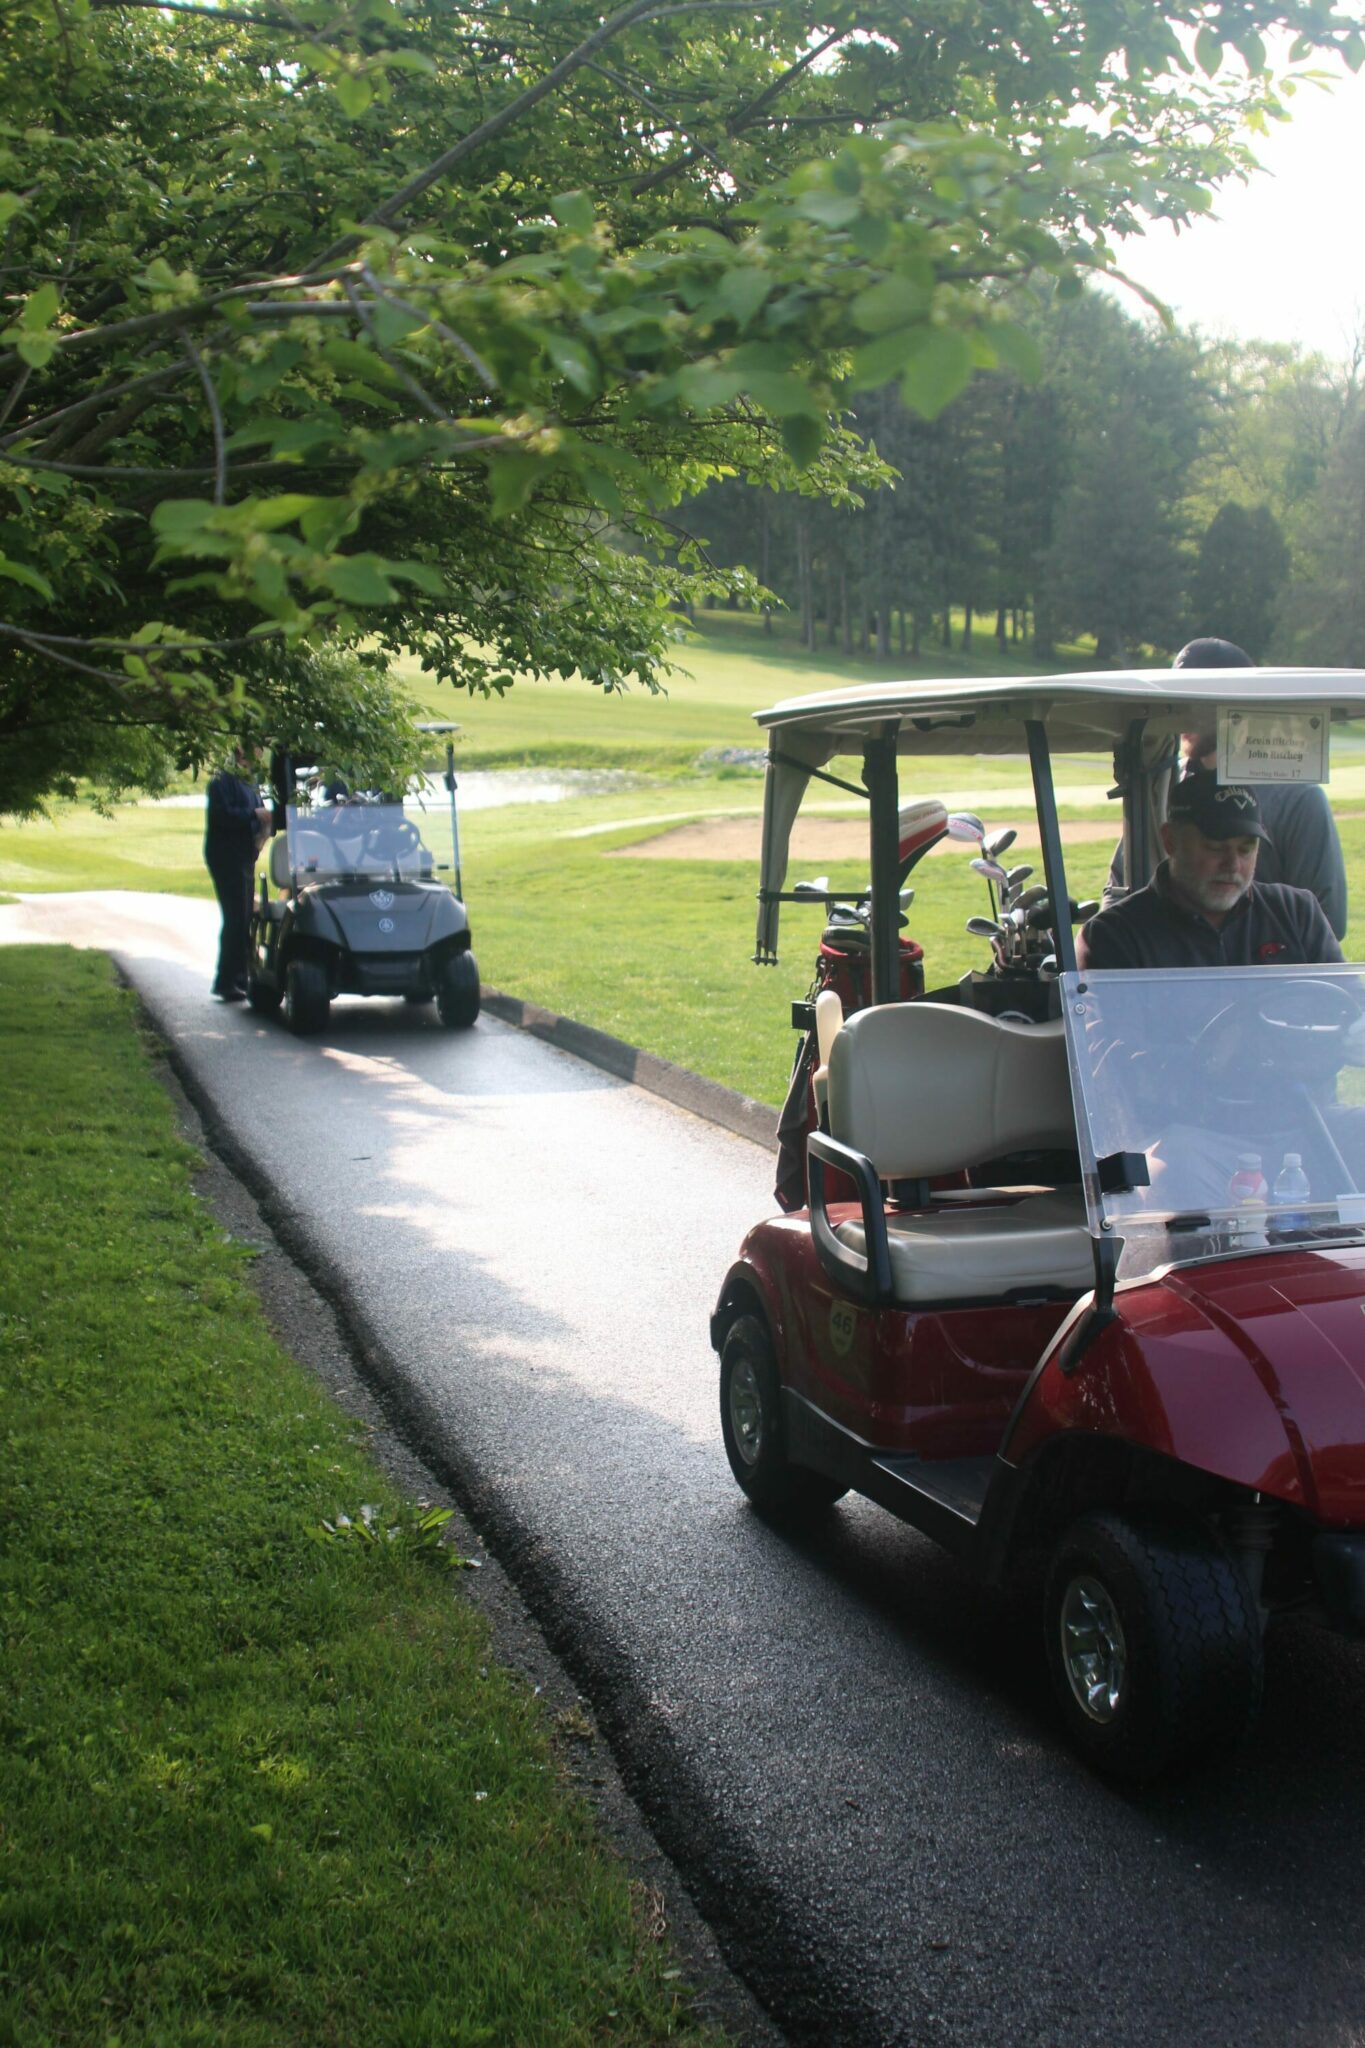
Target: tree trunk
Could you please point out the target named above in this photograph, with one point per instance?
(1001, 632)
(765, 558)
(947, 635)
(967, 628)
(807, 592)
(901, 623)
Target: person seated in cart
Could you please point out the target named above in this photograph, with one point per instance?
(1301, 847)
(1204, 908)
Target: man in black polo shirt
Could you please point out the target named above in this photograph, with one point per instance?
(1204, 906)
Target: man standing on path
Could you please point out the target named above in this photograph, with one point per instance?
(236, 828)
(1302, 847)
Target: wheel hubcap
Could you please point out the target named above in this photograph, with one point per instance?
(746, 1411)
(1094, 1651)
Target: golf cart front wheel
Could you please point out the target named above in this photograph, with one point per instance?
(305, 997)
(752, 1426)
(457, 992)
(263, 996)
(1153, 1641)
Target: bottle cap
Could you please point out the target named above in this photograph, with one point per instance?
(1249, 1160)
(1293, 1159)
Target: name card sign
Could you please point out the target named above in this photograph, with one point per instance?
(1273, 746)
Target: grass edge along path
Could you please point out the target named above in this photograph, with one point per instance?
(259, 1784)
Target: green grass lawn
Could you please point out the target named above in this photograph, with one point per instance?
(258, 1785)
(725, 672)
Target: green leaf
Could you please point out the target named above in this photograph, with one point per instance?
(940, 367)
(573, 361)
(35, 352)
(869, 234)
(781, 393)
(513, 478)
(1208, 51)
(359, 579)
(830, 209)
(574, 210)
(421, 575)
(879, 361)
(895, 302)
(40, 309)
(1017, 349)
(743, 293)
(803, 437)
(354, 93)
(20, 572)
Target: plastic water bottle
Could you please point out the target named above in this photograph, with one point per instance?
(1247, 1194)
(1291, 1187)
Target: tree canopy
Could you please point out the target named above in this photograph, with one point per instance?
(376, 326)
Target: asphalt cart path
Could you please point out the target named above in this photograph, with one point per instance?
(845, 1746)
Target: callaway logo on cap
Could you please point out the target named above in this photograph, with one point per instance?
(1219, 811)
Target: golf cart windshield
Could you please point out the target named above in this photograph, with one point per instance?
(363, 839)
(1218, 1108)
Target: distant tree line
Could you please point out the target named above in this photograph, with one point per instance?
(1146, 488)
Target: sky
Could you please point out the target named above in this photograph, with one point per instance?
(1284, 259)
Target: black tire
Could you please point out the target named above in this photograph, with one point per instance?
(1153, 1642)
(457, 991)
(305, 997)
(263, 997)
(752, 1426)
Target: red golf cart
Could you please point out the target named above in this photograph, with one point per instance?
(1063, 1318)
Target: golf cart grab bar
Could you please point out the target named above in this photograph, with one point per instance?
(868, 1277)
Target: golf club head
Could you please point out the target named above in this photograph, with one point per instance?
(1082, 911)
(1018, 876)
(818, 889)
(966, 825)
(998, 841)
(991, 869)
(985, 928)
(1037, 894)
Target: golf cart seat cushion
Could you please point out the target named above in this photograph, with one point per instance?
(972, 1254)
(927, 1088)
(279, 860)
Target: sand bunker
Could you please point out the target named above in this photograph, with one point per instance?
(815, 840)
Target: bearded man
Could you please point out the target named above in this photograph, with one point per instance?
(1204, 906)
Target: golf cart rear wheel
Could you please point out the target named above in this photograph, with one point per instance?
(305, 997)
(457, 991)
(264, 999)
(752, 1426)
(1153, 1641)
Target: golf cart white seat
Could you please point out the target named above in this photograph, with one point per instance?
(307, 846)
(922, 1089)
(279, 860)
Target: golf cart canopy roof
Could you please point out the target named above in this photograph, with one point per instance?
(1137, 714)
(1082, 713)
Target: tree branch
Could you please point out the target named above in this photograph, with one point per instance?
(220, 458)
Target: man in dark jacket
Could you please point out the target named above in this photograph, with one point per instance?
(234, 832)
(1205, 906)
(1301, 847)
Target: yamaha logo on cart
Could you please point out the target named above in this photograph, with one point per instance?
(382, 899)
(386, 924)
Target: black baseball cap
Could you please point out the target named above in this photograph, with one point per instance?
(1220, 810)
(1212, 653)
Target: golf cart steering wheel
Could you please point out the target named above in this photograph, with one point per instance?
(1292, 1029)
(390, 841)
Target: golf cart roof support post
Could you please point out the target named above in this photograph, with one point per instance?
(454, 820)
(1050, 832)
(879, 773)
